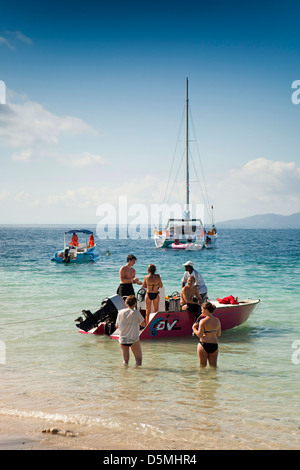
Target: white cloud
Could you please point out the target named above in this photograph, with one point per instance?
(7, 43)
(26, 155)
(26, 198)
(74, 160)
(30, 124)
(18, 35)
(35, 134)
(260, 186)
(83, 160)
(270, 177)
(4, 194)
(12, 38)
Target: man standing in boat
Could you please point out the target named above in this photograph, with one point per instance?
(127, 278)
(199, 281)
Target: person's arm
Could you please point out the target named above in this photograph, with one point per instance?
(160, 281)
(122, 274)
(136, 280)
(141, 319)
(201, 329)
(183, 280)
(195, 328)
(145, 282)
(183, 300)
(198, 296)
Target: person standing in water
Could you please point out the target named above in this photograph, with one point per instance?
(152, 282)
(128, 321)
(208, 330)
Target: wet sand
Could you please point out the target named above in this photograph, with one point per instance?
(18, 433)
(26, 434)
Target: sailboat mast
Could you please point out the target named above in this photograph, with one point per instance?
(187, 147)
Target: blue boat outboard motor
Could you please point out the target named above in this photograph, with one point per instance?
(66, 255)
(107, 313)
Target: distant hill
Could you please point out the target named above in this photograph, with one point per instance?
(263, 221)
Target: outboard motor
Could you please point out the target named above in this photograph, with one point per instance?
(107, 313)
(66, 255)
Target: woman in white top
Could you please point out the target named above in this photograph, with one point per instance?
(129, 321)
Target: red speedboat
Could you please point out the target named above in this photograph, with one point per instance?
(167, 324)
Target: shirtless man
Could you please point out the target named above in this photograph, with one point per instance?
(127, 278)
(187, 297)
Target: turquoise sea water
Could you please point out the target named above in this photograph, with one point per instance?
(49, 370)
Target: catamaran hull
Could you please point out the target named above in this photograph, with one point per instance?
(176, 324)
(160, 242)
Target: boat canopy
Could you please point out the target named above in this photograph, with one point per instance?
(87, 232)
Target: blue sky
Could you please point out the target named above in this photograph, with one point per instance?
(95, 92)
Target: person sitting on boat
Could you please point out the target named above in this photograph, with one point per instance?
(208, 330)
(128, 321)
(207, 240)
(199, 281)
(74, 241)
(188, 293)
(91, 241)
(152, 282)
(127, 278)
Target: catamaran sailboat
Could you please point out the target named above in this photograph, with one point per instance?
(186, 233)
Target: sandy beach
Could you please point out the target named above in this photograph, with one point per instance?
(26, 434)
(17, 433)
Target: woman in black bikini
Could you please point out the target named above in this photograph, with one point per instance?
(152, 282)
(208, 330)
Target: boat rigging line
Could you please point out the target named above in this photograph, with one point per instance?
(39, 319)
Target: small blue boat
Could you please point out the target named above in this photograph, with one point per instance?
(76, 252)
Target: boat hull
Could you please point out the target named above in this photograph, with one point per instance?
(85, 257)
(176, 324)
(182, 245)
(210, 241)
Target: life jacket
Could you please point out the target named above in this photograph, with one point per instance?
(91, 241)
(74, 241)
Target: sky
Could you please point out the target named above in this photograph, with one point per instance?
(95, 93)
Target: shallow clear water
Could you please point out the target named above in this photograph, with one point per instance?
(52, 371)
